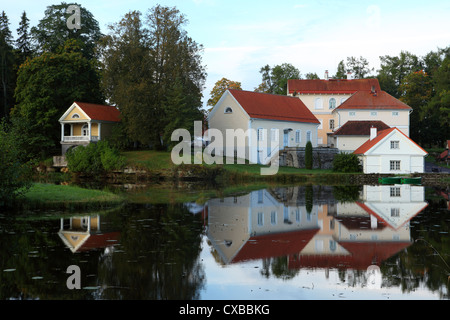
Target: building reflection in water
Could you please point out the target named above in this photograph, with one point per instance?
(83, 233)
(306, 225)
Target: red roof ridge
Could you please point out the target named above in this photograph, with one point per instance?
(99, 111)
(347, 86)
(360, 127)
(273, 106)
(369, 144)
(365, 99)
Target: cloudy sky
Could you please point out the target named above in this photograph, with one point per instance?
(241, 36)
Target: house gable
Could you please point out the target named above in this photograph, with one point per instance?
(381, 144)
(74, 109)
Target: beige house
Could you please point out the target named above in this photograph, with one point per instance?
(84, 123)
(336, 101)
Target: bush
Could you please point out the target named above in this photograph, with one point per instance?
(346, 162)
(95, 158)
(14, 172)
(308, 156)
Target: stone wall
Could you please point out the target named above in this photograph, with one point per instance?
(295, 157)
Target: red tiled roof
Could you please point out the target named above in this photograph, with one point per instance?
(369, 144)
(274, 245)
(100, 112)
(274, 107)
(332, 86)
(368, 100)
(360, 128)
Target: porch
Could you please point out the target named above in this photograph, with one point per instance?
(80, 139)
(81, 132)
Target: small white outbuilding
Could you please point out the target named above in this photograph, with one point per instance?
(390, 151)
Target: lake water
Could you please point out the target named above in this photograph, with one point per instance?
(288, 243)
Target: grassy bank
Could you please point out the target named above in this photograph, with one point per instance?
(68, 197)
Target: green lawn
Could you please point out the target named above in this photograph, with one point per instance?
(66, 195)
(160, 161)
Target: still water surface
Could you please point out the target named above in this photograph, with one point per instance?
(305, 242)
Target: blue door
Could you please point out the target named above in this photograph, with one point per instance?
(285, 139)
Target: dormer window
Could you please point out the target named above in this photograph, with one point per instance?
(75, 116)
(228, 110)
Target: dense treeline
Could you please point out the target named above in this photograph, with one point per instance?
(146, 65)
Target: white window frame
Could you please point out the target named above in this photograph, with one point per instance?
(373, 113)
(395, 192)
(260, 134)
(75, 116)
(395, 165)
(320, 127)
(395, 144)
(85, 130)
(332, 103)
(308, 136)
(298, 136)
(331, 124)
(352, 113)
(318, 103)
(395, 113)
(226, 110)
(274, 134)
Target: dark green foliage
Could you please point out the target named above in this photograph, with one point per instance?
(346, 162)
(308, 156)
(95, 158)
(14, 173)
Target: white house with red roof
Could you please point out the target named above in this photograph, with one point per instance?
(83, 123)
(391, 151)
(269, 120)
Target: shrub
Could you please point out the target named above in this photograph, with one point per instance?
(346, 162)
(308, 156)
(95, 158)
(14, 172)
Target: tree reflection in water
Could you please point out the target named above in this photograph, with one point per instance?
(154, 251)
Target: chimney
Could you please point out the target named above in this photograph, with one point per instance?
(326, 74)
(373, 133)
(349, 76)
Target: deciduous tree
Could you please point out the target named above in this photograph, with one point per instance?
(219, 88)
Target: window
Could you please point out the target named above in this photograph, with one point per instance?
(260, 219)
(352, 113)
(274, 134)
(373, 113)
(85, 130)
(228, 110)
(320, 127)
(331, 124)
(75, 116)
(260, 134)
(395, 192)
(260, 196)
(395, 212)
(308, 136)
(343, 100)
(297, 136)
(395, 165)
(318, 104)
(332, 103)
(273, 218)
(395, 144)
(395, 113)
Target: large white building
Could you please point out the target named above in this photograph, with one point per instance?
(272, 122)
